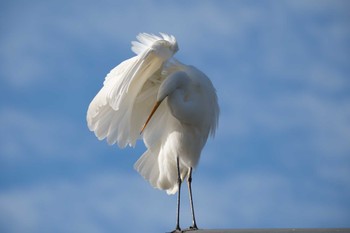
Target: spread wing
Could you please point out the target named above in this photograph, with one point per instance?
(120, 108)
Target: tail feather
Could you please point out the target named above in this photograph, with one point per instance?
(147, 166)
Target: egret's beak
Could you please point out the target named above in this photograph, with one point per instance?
(155, 107)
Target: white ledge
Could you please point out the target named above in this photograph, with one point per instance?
(273, 230)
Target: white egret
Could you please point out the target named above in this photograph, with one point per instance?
(131, 105)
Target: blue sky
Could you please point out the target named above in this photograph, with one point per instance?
(281, 155)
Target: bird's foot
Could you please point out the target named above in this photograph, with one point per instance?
(177, 230)
(191, 228)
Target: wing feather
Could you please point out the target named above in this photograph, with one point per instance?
(117, 112)
(110, 112)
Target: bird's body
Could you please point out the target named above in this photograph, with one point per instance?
(174, 131)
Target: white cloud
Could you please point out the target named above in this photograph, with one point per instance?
(263, 199)
(30, 45)
(34, 48)
(114, 201)
(97, 203)
(42, 136)
(277, 76)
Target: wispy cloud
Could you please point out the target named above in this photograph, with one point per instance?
(106, 201)
(40, 135)
(96, 203)
(282, 150)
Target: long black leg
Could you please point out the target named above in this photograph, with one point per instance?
(189, 182)
(178, 195)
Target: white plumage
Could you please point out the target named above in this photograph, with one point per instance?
(179, 127)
